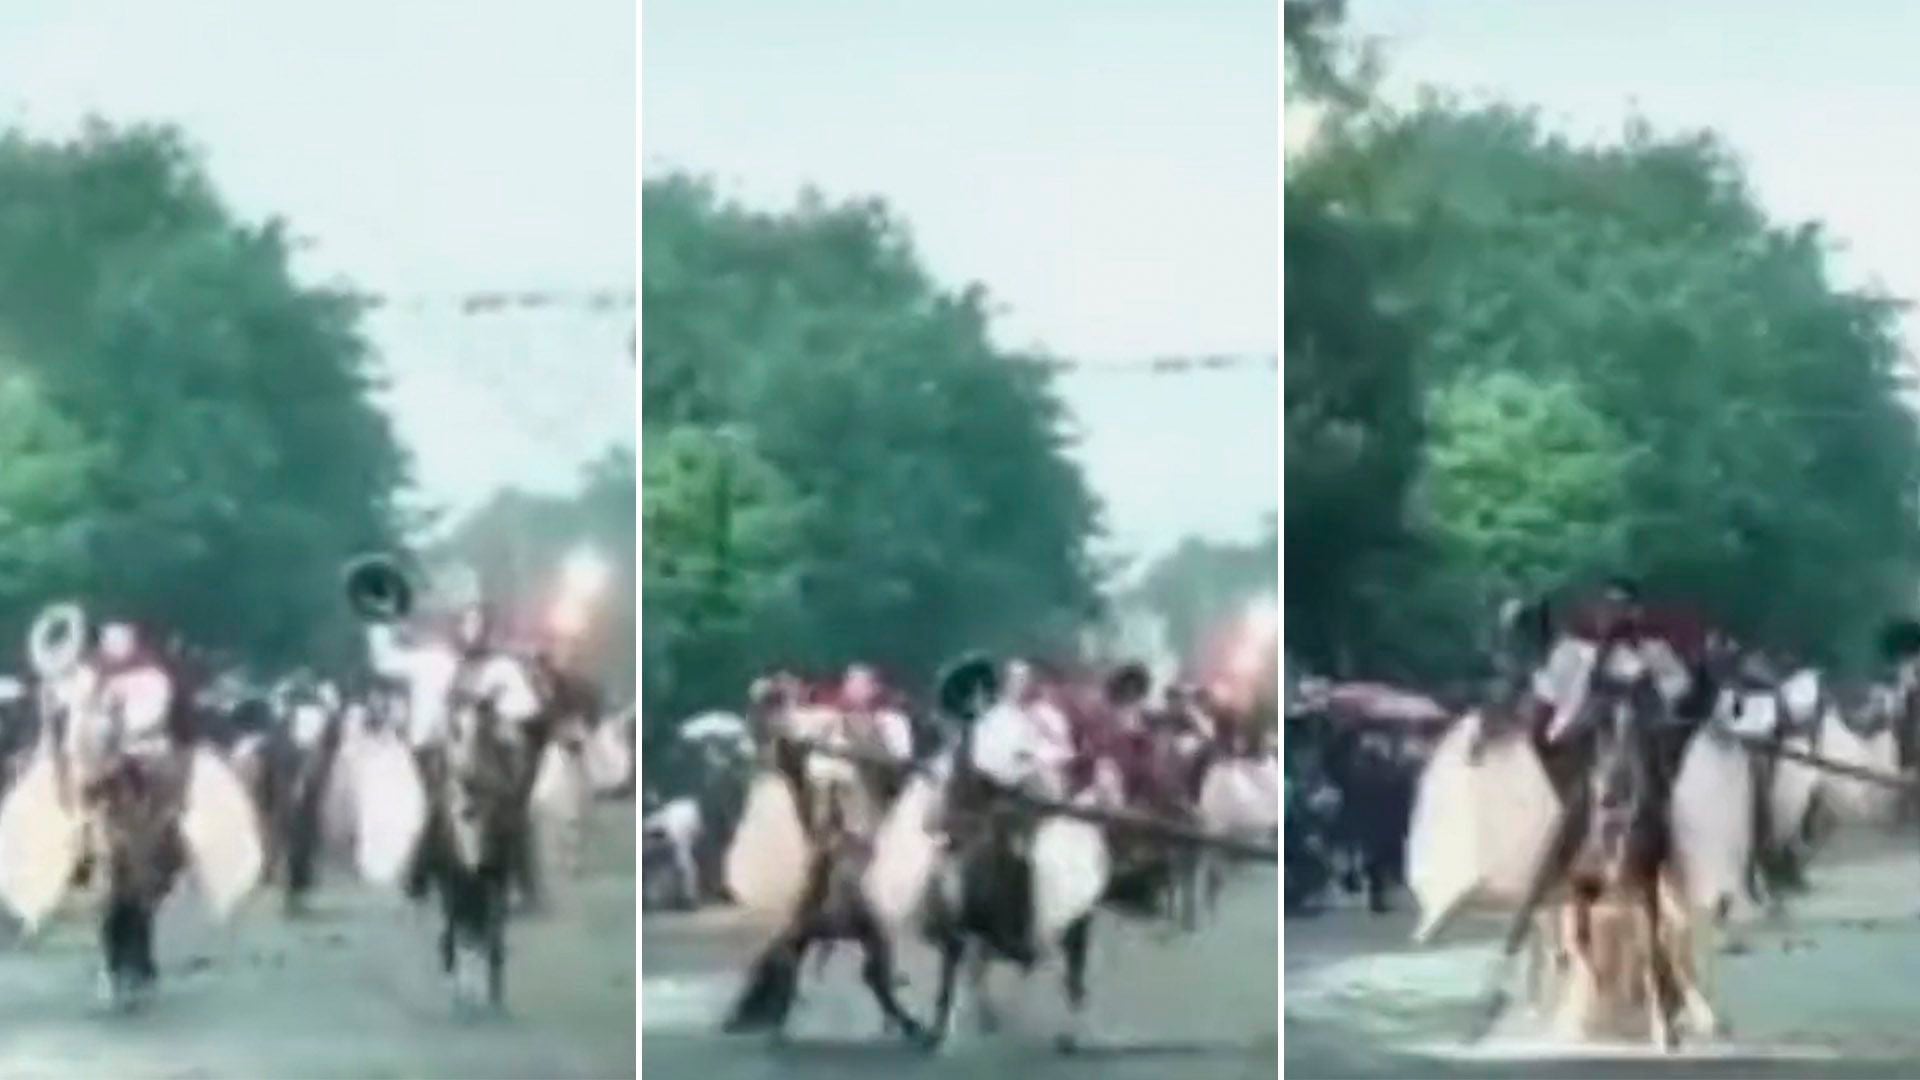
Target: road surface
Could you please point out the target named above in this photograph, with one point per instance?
(1163, 1006)
(349, 991)
(1830, 988)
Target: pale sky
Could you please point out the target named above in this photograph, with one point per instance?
(1109, 171)
(1819, 102)
(422, 147)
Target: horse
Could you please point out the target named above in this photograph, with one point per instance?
(90, 810)
(473, 847)
(285, 753)
(1608, 871)
(803, 849)
(986, 878)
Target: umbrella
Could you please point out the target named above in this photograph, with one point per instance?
(714, 726)
(1377, 703)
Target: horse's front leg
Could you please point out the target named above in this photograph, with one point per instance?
(1559, 855)
(878, 972)
(1073, 950)
(1693, 944)
(1662, 983)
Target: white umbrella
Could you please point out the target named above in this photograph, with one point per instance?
(714, 725)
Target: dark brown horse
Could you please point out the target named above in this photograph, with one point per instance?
(1615, 771)
(472, 849)
(840, 808)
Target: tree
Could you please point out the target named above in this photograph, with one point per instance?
(721, 572)
(196, 442)
(517, 545)
(1352, 433)
(1645, 298)
(941, 510)
(1526, 483)
(1200, 583)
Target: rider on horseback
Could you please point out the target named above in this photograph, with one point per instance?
(131, 774)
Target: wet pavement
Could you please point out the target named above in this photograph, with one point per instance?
(1164, 1006)
(1831, 987)
(350, 991)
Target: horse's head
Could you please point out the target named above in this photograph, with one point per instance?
(1621, 791)
(483, 760)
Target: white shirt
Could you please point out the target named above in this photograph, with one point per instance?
(1568, 672)
(1024, 746)
(829, 726)
(141, 698)
(309, 722)
(427, 669)
(505, 683)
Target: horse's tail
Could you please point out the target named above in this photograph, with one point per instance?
(769, 992)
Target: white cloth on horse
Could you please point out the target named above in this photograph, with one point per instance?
(426, 668)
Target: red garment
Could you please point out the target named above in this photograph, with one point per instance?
(1683, 630)
(1148, 777)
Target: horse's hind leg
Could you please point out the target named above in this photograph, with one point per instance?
(1073, 949)
(496, 948)
(772, 984)
(986, 1013)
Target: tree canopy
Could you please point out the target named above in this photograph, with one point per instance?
(1526, 360)
(841, 464)
(187, 432)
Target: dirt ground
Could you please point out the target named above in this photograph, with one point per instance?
(1827, 988)
(351, 990)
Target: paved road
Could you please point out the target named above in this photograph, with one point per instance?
(1830, 989)
(351, 991)
(1164, 1006)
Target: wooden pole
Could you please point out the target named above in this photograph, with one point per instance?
(1171, 831)
(1761, 745)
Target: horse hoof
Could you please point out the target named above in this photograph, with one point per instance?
(1066, 1043)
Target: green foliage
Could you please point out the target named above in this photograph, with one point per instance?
(1624, 364)
(187, 432)
(723, 529)
(896, 487)
(1526, 482)
(1352, 432)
